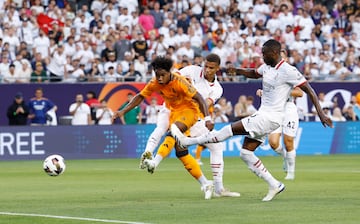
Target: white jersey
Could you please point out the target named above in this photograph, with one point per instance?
(277, 82)
(211, 90)
(81, 115)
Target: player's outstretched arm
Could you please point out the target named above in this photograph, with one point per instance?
(133, 103)
(249, 73)
(325, 120)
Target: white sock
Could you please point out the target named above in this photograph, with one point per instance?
(217, 164)
(255, 165)
(203, 180)
(290, 160)
(158, 158)
(217, 171)
(154, 139)
(214, 136)
(279, 150)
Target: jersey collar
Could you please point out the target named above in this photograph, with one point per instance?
(279, 64)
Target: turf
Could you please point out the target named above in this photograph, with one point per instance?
(326, 190)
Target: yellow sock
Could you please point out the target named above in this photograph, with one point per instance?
(166, 146)
(191, 166)
(199, 149)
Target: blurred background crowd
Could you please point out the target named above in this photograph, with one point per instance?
(67, 41)
(115, 40)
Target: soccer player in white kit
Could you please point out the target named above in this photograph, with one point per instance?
(204, 80)
(288, 128)
(279, 78)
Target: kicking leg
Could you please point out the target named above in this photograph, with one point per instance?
(256, 166)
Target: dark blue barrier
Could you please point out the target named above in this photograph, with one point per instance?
(116, 93)
(118, 141)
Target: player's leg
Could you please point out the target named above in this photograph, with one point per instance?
(164, 150)
(274, 141)
(194, 169)
(290, 127)
(259, 126)
(217, 168)
(290, 157)
(198, 151)
(214, 136)
(183, 121)
(162, 126)
(256, 166)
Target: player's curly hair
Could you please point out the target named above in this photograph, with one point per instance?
(161, 62)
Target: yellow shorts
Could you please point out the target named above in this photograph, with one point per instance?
(186, 116)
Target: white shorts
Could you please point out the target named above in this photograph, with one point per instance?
(262, 123)
(290, 123)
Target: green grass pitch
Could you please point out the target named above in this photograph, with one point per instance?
(326, 191)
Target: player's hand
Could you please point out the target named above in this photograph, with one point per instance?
(325, 120)
(231, 71)
(210, 125)
(259, 92)
(116, 115)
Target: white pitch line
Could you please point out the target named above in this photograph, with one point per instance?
(69, 217)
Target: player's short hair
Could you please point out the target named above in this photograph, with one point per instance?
(161, 62)
(213, 58)
(274, 45)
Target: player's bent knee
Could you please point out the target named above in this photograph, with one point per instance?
(181, 153)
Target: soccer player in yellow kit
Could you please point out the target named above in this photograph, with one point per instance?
(185, 105)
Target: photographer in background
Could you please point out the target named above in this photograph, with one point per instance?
(18, 111)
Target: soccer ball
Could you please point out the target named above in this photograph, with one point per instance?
(54, 165)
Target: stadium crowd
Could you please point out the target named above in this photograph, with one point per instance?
(114, 40)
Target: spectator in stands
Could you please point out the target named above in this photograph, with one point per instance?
(152, 111)
(25, 33)
(39, 107)
(11, 75)
(18, 111)
(219, 116)
(24, 71)
(240, 108)
(122, 45)
(39, 74)
(226, 107)
(250, 105)
(133, 75)
(158, 15)
(42, 45)
(80, 111)
(104, 114)
(134, 116)
(349, 113)
(142, 66)
(93, 103)
(140, 45)
(337, 115)
(111, 75)
(56, 67)
(340, 72)
(325, 104)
